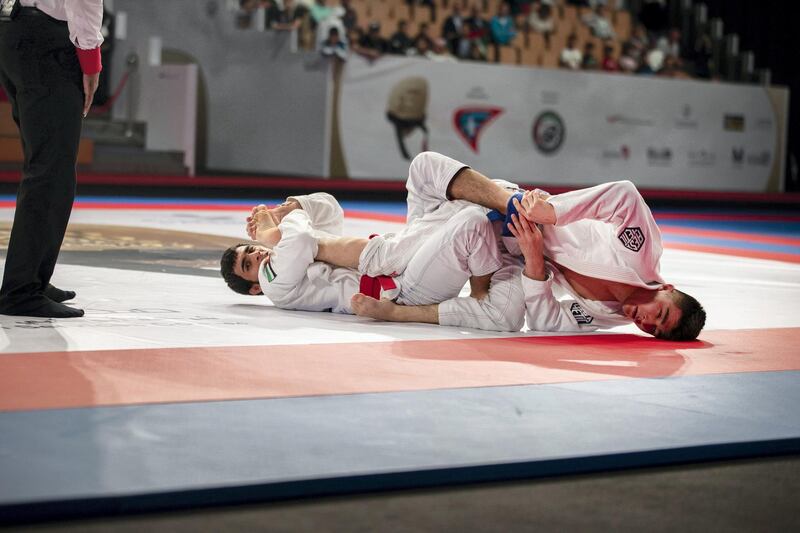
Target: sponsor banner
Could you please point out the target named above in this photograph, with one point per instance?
(556, 127)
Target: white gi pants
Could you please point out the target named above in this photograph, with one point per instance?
(504, 307)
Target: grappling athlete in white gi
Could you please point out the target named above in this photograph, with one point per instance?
(291, 270)
(594, 263)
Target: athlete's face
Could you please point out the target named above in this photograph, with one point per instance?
(654, 312)
(248, 260)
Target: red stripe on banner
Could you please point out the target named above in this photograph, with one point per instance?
(53, 380)
(730, 235)
(722, 216)
(375, 216)
(366, 185)
(738, 252)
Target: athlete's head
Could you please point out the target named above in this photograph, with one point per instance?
(239, 266)
(666, 313)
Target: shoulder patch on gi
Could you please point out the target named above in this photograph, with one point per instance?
(581, 317)
(632, 238)
(268, 271)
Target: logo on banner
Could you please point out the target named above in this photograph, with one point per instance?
(471, 121)
(737, 155)
(623, 152)
(581, 316)
(632, 238)
(686, 122)
(733, 123)
(406, 110)
(548, 132)
(702, 158)
(626, 120)
(659, 156)
(763, 123)
(760, 159)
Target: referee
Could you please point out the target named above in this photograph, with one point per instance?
(49, 67)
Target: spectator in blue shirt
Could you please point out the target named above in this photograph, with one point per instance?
(502, 28)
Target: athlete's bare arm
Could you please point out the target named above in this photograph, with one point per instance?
(341, 251)
(472, 186)
(367, 306)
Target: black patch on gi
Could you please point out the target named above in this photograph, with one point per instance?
(580, 315)
(632, 238)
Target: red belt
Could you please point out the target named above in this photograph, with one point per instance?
(372, 286)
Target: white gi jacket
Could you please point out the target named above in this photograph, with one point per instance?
(291, 278)
(605, 232)
(436, 258)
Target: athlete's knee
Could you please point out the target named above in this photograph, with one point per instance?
(473, 225)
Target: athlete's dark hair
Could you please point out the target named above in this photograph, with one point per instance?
(236, 283)
(693, 318)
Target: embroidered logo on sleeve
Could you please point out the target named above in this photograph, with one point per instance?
(581, 317)
(632, 238)
(268, 271)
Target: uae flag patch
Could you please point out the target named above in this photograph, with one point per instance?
(268, 272)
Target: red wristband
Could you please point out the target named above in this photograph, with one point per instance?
(90, 60)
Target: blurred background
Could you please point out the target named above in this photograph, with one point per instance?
(239, 97)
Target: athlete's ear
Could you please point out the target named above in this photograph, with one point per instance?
(255, 289)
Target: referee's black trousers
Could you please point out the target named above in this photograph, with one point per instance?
(39, 71)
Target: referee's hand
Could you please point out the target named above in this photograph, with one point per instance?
(90, 82)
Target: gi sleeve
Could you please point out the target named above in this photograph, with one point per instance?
(543, 312)
(289, 261)
(618, 203)
(324, 211)
(501, 310)
(84, 20)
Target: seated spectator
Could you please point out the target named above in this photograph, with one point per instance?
(502, 28)
(598, 22)
(627, 62)
(320, 11)
(703, 56)
(424, 35)
(640, 40)
(452, 28)
(571, 57)
(654, 60)
(333, 46)
(349, 17)
(589, 62)
(354, 37)
(286, 19)
(672, 69)
(609, 64)
(373, 40)
(440, 52)
(421, 49)
(670, 44)
(471, 44)
(541, 21)
(479, 24)
(244, 15)
(400, 42)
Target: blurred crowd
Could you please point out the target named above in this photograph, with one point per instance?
(464, 33)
